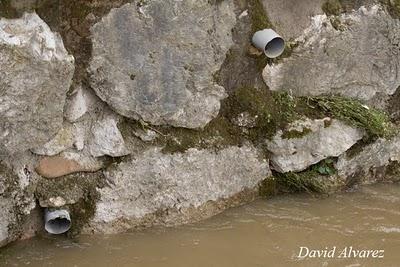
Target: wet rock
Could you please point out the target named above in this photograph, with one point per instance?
(155, 62)
(172, 185)
(313, 141)
(35, 74)
(359, 58)
(67, 163)
(107, 139)
(378, 154)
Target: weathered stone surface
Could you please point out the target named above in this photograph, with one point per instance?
(156, 62)
(36, 72)
(378, 154)
(169, 183)
(291, 17)
(325, 138)
(106, 138)
(67, 163)
(79, 103)
(16, 201)
(7, 218)
(63, 140)
(358, 60)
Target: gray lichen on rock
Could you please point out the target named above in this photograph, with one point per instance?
(297, 154)
(35, 76)
(360, 61)
(175, 182)
(156, 62)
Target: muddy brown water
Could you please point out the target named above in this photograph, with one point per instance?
(263, 233)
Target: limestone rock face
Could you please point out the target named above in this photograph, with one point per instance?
(323, 138)
(359, 59)
(156, 62)
(16, 201)
(7, 217)
(174, 183)
(36, 72)
(378, 154)
(291, 17)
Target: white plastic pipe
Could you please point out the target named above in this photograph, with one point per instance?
(269, 42)
(57, 221)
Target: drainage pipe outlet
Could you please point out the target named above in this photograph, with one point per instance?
(57, 221)
(269, 42)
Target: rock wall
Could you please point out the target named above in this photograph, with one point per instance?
(138, 113)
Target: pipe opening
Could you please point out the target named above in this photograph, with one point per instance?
(57, 221)
(275, 47)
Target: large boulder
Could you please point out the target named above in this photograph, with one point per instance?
(174, 186)
(35, 74)
(307, 142)
(354, 55)
(157, 61)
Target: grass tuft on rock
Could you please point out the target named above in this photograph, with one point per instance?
(375, 122)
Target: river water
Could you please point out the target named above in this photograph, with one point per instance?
(263, 233)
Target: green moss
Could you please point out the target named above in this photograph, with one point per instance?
(272, 111)
(6, 10)
(375, 122)
(307, 181)
(332, 7)
(295, 133)
(393, 6)
(393, 171)
(268, 187)
(258, 15)
(80, 187)
(219, 133)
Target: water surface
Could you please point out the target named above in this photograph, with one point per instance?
(263, 233)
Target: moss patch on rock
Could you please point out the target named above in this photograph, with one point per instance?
(295, 133)
(375, 122)
(313, 180)
(332, 7)
(80, 192)
(270, 112)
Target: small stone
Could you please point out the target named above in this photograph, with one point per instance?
(107, 139)
(64, 139)
(244, 119)
(57, 202)
(80, 102)
(146, 135)
(66, 163)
